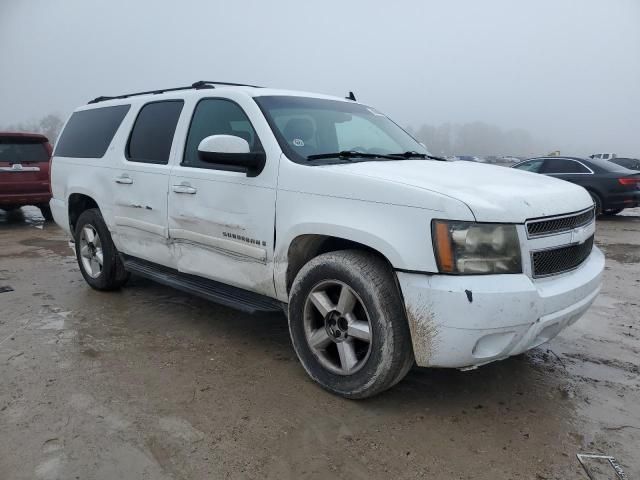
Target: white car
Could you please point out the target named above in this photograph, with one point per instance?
(603, 156)
(381, 255)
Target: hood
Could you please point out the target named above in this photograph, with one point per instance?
(492, 193)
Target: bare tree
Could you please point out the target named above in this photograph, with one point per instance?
(49, 126)
(477, 138)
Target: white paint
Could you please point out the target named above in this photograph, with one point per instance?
(223, 144)
(237, 229)
(513, 304)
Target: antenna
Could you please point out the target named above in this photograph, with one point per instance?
(351, 97)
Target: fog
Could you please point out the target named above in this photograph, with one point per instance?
(565, 72)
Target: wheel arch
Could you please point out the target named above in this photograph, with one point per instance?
(76, 204)
(305, 247)
(594, 191)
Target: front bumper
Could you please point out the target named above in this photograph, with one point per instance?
(466, 321)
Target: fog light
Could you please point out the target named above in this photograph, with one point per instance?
(492, 345)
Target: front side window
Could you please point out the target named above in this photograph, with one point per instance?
(530, 166)
(88, 133)
(217, 116)
(152, 134)
(559, 165)
(312, 126)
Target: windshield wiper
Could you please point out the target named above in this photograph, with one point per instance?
(413, 154)
(348, 154)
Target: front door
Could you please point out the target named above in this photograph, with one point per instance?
(221, 222)
(141, 183)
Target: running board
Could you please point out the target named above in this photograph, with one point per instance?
(221, 293)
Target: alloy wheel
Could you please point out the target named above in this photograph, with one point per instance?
(337, 327)
(91, 251)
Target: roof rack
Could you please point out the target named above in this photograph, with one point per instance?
(199, 85)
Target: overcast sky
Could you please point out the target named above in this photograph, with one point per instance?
(566, 71)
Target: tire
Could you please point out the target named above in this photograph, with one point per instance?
(597, 201)
(45, 209)
(337, 301)
(92, 239)
(612, 212)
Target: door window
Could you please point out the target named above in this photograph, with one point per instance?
(531, 166)
(563, 165)
(152, 133)
(217, 116)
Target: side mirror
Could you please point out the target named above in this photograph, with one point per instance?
(233, 151)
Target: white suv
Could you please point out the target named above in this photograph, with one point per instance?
(381, 254)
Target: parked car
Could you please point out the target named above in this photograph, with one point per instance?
(381, 255)
(612, 187)
(469, 158)
(630, 163)
(603, 156)
(509, 159)
(24, 171)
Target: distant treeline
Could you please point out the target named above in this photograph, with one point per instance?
(49, 126)
(476, 138)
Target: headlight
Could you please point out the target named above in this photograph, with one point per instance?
(476, 248)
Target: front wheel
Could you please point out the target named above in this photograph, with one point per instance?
(97, 256)
(348, 325)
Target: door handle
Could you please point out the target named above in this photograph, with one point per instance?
(184, 189)
(124, 179)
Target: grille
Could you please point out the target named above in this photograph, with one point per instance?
(562, 259)
(550, 226)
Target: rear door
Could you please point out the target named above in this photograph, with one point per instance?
(568, 169)
(140, 183)
(24, 166)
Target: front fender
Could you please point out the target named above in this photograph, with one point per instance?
(399, 233)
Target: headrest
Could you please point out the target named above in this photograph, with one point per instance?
(298, 128)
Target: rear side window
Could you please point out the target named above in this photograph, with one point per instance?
(557, 165)
(88, 133)
(152, 133)
(23, 150)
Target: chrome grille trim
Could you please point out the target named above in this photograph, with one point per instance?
(546, 226)
(561, 259)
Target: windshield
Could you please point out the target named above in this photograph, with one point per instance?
(314, 127)
(21, 150)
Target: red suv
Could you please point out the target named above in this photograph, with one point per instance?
(24, 171)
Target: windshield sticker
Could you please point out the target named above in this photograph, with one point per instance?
(298, 143)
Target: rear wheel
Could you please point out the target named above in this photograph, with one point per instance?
(97, 256)
(597, 202)
(45, 209)
(348, 325)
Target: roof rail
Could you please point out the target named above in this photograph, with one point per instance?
(205, 83)
(201, 84)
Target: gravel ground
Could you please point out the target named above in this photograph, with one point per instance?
(150, 383)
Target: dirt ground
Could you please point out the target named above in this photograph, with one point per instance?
(150, 383)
